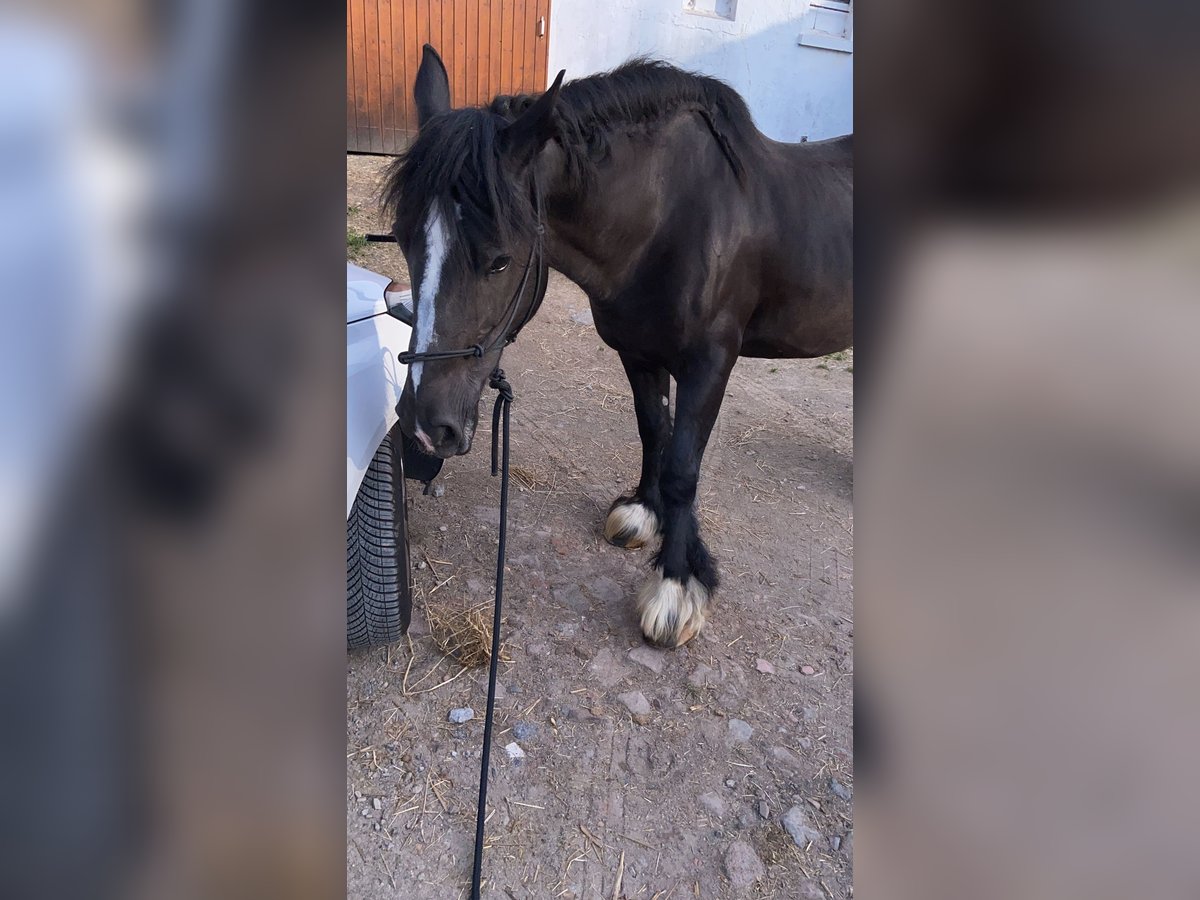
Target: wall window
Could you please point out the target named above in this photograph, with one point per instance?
(828, 24)
(716, 9)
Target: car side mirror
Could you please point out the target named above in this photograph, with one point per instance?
(398, 298)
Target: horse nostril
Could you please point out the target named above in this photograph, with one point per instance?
(444, 435)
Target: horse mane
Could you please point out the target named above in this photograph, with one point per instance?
(639, 92)
(456, 155)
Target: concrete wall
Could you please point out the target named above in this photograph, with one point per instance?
(793, 91)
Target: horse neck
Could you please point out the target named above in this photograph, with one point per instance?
(576, 223)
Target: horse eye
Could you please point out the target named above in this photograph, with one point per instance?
(499, 264)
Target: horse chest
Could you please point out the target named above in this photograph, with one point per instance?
(634, 328)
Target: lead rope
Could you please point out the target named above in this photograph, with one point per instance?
(504, 400)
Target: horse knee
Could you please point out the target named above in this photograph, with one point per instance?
(679, 488)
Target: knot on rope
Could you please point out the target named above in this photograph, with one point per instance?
(504, 397)
(499, 383)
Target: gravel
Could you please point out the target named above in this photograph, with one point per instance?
(713, 803)
(514, 751)
(740, 731)
(524, 731)
(743, 866)
(649, 657)
(605, 669)
(637, 704)
(462, 714)
(795, 822)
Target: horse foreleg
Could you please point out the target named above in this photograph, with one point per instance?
(635, 519)
(673, 603)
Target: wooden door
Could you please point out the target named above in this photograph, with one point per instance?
(490, 47)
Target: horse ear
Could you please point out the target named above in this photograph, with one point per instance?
(431, 90)
(529, 133)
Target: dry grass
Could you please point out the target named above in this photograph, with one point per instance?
(534, 480)
(463, 632)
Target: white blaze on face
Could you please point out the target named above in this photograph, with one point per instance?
(436, 247)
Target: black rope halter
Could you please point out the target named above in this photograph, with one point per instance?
(504, 398)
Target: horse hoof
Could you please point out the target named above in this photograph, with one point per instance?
(630, 524)
(672, 613)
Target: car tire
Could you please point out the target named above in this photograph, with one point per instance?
(378, 589)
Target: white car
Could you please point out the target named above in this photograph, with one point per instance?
(378, 575)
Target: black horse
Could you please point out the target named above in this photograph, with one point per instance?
(696, 238)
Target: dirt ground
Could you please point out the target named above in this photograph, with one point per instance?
(690, 799)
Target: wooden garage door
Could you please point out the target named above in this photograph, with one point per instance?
(490, 47)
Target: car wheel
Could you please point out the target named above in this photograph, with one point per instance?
(378, 591)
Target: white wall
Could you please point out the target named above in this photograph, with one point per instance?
(793, 91)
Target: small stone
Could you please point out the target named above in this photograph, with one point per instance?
(764, 810)
(376, 803)
(439, 490)
(605, 669)
(366, 812)
(524, 731)
(649, 657)
(358, 795)
(637, 705)
(839, 789)
(729, 782)
(836, 842)
(795, 822)
(462, 714)
(743, 866)
(422, 565)
(740, 731)
(808, 670)
(702, 676)
(583, 317)
(606, 590)
(443, 528)
(765, 667)
(514, 751)
(454, 753)
(713, 803)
